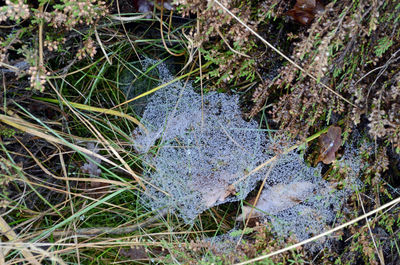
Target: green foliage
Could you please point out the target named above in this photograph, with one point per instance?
(7, 132)
(240, 232)
(383, 45)
(230, 68)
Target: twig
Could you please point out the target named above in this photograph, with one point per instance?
(255, 202)
(128, 19)
(229, 46)
(41, 61)
(381, 259)
(11, 67)
(2, 260)
(101, 46)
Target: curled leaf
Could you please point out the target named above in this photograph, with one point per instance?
(330, 143)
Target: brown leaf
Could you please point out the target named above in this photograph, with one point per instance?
(216, 194)
(278, 198)
(304, 11)
(330, 143)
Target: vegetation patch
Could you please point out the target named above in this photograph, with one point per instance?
(199, 132)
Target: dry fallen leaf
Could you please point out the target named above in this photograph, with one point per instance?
(330, 143)
(213, 195)
(278, 198)
(304, 11)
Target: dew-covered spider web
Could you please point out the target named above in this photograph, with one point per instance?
(197, 153)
